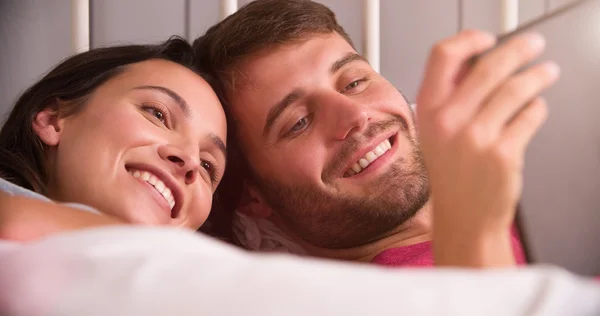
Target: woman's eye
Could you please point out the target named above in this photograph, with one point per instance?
(207, 166)
(210, 168)
(157, 113)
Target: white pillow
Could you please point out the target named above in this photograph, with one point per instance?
(165, 271)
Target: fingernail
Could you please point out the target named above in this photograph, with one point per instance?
(535, 40)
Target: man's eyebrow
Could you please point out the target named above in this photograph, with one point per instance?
(217, 141)
(279, 107)
(348, 58)
(179, 100)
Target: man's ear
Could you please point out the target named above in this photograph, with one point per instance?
(48, 126)
(252, 203)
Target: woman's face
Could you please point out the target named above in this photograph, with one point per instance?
(147, 147)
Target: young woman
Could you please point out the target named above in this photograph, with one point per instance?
(134, 133)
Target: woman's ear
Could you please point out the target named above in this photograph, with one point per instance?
(48, 126)
(252, 202)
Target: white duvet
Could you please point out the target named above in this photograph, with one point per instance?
(159, 271)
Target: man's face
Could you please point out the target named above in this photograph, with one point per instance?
(331, 143)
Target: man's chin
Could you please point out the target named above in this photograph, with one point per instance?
(357, 223)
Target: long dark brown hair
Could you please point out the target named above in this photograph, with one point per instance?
(22, 153)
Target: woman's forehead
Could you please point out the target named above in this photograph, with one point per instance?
(182, 86)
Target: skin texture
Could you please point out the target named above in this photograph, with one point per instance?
(332, 120)
(126, 126)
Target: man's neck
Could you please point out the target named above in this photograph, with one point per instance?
(416, 230)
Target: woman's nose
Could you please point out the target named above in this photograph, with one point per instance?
(185, 165)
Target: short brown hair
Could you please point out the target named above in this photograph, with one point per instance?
(258, 25)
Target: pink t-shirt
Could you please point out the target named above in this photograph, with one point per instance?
(421, 254)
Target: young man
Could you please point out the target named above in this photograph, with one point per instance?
(331, 151)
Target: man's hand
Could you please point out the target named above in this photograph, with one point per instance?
(26, 219)
(475, 123)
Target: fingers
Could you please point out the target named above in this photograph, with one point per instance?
(510, 98)
(520, 131)
(445, 62)
(493, 69)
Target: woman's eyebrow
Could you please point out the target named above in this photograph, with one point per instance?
(215, 139)
(170, 93)
(218, 142)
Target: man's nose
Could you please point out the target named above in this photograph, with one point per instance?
(184, 164)
(345, 116)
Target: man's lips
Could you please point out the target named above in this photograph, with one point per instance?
(369, 154)
(368, 158)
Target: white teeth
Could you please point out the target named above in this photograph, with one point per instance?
(363, 162)
(369, 157)
(157, 184)
(160, 186)
(166, 193)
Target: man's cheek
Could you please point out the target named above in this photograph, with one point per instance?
(296, 167)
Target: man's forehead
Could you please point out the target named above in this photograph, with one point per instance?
(276, 65)
(263, 79)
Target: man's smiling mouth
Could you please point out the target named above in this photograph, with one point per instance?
(363, 162)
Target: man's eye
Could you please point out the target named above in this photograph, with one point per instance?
(300, 125)
(352, 85)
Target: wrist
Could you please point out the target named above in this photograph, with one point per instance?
(473, 248)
